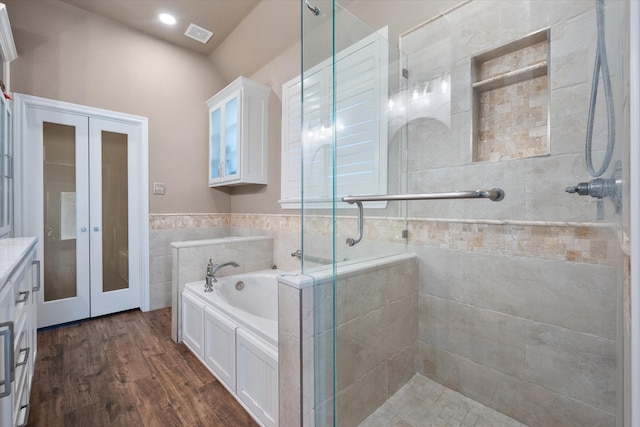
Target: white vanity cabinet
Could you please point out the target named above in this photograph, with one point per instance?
(20, 275)
(238, 134)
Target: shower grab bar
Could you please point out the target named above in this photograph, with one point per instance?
(495, 195)
(315, 259)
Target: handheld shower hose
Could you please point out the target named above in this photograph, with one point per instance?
(601, 65)
(601, 187)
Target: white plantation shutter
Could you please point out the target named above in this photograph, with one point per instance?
(361, 127)
(291, 143)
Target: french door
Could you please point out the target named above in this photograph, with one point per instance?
(83, 192)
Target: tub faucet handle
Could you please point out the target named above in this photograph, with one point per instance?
(210, 278)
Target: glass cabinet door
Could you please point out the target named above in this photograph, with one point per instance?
(6, 172)
(224, 139)
(231, 137)
(215, 138)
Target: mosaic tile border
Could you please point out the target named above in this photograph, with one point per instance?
(187, 220)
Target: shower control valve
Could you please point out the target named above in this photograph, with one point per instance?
(601, 188)
(598, 187)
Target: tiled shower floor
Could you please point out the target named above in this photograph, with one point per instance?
(425, 403)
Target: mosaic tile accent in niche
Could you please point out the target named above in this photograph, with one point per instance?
(511, 100)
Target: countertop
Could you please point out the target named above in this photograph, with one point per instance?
(12, 252)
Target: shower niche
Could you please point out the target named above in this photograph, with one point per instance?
(511, 100)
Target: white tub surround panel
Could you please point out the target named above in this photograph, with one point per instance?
(233, 340)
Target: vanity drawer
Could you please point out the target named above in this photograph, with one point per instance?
(21, 350)
(20, 399)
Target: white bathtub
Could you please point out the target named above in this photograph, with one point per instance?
(234, 332)
(255, 307)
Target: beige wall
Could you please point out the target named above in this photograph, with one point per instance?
(68, 54)
(71, 55)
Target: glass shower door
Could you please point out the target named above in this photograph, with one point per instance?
(518, 316)
(350, 146)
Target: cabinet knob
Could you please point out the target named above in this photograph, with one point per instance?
(83, 229)
(96, 228)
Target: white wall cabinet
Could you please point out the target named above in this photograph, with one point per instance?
(20, 272)
(238, 134)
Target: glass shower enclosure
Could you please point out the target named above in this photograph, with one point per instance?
(469, 266)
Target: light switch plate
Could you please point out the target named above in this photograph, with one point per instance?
(159, 188)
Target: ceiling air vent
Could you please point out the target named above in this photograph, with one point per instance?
(198, 33)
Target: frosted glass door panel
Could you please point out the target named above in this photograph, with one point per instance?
(115, 230)
(115, 284)
(58, 194)
(231, 137)
(59, 145)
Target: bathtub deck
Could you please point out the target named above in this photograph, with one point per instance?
(425, 403)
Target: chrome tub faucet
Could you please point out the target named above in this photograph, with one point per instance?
(212, 269)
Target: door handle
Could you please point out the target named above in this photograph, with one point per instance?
(37, 287)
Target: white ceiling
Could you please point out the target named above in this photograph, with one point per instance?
(219, 16)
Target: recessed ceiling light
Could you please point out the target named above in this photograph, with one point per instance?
(167, 19)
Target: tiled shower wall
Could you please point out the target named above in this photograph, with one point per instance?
(525, 333)
(518, 299)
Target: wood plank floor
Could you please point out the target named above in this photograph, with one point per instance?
(124, 370)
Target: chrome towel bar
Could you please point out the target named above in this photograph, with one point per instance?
(495, 195)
